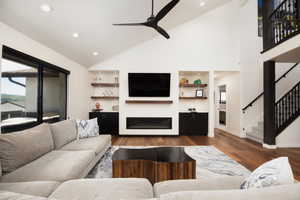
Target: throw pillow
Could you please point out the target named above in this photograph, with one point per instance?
(87, 128)
(274, 172)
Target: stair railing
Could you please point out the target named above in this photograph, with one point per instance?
(287, 108)
(262, 94)
(285, 21)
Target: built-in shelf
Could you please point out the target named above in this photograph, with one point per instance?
(105, 84)
(104, 97)
(193, 98)
(148, 101)
(193, 85)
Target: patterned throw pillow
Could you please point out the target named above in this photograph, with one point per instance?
(87, 128)
(274, 172)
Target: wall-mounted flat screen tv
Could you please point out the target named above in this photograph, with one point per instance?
(149, 84)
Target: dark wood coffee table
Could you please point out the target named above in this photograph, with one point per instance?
(155, 164)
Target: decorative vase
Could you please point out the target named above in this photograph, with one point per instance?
(197, 82)
(98, 106)
(184, 81)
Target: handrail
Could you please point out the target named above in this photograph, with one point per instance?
(276, 9)
(252, 102)
(295, 86)
(288, 71)
(261, 94)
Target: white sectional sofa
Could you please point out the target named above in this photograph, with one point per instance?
(47, 162)
(49, 152)
(141, 189)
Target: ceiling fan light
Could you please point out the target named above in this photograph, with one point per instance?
(46, 8)
(75, 35)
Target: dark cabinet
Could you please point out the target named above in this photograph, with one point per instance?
(108, 122)
(193, 124)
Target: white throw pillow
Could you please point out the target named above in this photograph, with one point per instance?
(274, 172)
(87, 128)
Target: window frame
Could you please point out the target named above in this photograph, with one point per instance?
(20, 57)
(221, 101)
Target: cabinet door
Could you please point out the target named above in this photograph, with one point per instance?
(109, 123)
(184, 123)
(193, 124)
(199, 124)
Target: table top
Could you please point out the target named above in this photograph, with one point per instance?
(158, 154)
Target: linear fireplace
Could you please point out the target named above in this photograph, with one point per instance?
(148, 123)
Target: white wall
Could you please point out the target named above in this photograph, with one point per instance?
(286, 83)
(78, 79)
(210, 42)
(251, 67)
(290, 137)
(233, 107)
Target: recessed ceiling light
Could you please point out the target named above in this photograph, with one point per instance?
(46, 8)
(75, 35)
(95, 53)
(202, 3)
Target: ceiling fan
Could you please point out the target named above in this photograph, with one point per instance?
(152, 21)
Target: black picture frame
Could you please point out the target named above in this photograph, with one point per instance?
(199, 93)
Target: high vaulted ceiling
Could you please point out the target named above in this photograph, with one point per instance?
(93, 20)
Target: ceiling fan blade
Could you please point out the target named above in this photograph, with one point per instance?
(163, 12)
(130, 24)
(162, 31)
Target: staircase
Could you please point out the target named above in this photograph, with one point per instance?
(280, 25)
(287, 110)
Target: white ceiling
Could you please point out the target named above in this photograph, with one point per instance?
(93, 20)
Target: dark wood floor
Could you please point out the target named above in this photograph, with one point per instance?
(248, 153)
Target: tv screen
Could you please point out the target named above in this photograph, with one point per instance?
(149, 84)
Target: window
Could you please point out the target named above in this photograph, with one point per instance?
(32, 91)
(222, 97)
(18, 93)
(54, 93)
(222, 90)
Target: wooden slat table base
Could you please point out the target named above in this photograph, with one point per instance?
(154, 171)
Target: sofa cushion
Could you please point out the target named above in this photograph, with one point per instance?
(286, 192)
(271, 173)
(224, 183)
(20, 148)
(55, 166)
(63, 132)
(96, 144)
(103, 189)
(37, 188)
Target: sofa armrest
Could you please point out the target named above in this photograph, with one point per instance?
(278, 192)
(224, 183)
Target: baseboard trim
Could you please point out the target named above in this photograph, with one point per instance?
(267, 146)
